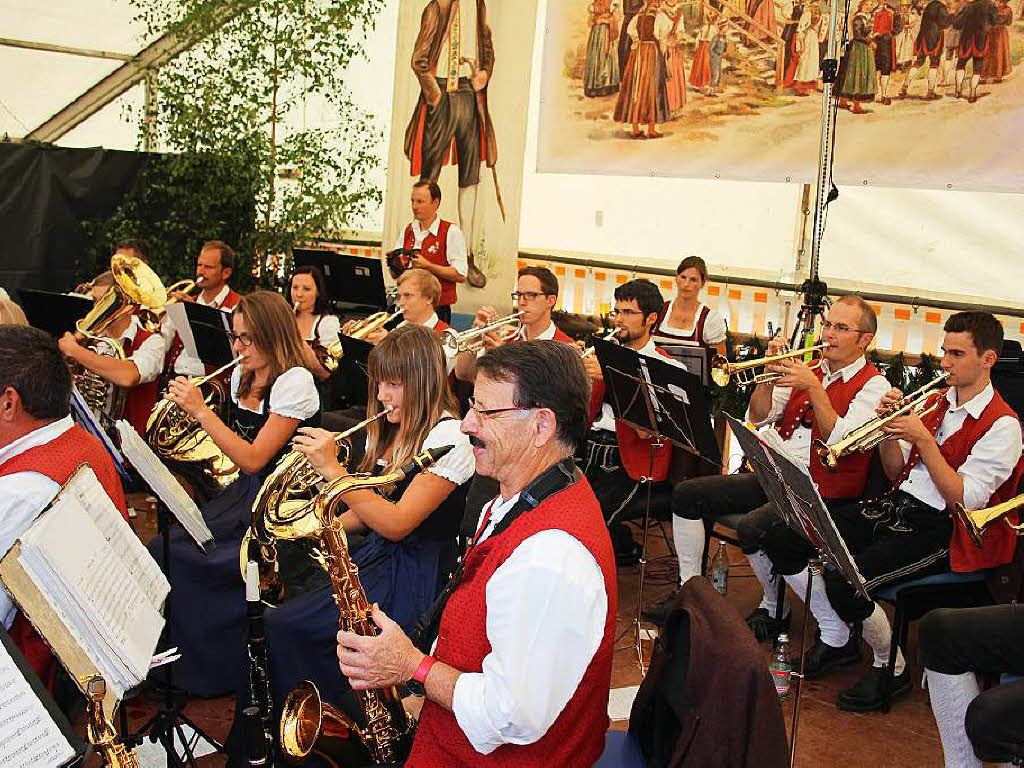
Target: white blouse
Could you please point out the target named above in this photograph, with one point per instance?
(327, 328)
(293, 395)
(456, 466)
(714, 327)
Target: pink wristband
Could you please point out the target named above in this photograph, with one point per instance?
(420, 675)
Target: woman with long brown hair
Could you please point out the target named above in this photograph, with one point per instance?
(409, 545)
(272, 395)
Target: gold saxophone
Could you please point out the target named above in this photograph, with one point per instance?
(308, 724)
(101, 734)
(284, 510)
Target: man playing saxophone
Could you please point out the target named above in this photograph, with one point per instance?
(520, 671)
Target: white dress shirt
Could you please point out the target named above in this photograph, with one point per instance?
(149, 357)
(546, 610)
(861, 410)
(23, 496)
(546, 335)
(455, 244)
(988, 465)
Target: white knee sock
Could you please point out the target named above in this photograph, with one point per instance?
(688, 537)
(878, 634)
(950, 695)
(762, 567)
(834, 631)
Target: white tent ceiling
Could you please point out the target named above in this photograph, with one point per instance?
(904, 241)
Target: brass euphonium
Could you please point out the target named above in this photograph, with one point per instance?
(977, 521)
(872, 433)
(309, 725)
(284, 510)
(722, 370)
(101, 734)
(177, 437)
(473, 339)
(360, 330)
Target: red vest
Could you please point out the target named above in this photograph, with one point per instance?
(140, 399)
(58, 460)
(847, 482)
(435, 250)
(998, 542)
(634, 451)
(577, 735)
(441, 327)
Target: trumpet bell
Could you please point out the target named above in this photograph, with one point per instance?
(720, 370)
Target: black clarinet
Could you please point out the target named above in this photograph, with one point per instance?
(258, 737)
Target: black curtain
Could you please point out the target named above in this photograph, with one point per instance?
(46, 193)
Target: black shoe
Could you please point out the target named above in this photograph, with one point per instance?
(765, 626)
(656, 612)
(866, 695)
(822, 658)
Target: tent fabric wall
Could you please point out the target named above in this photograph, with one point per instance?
(46, 193)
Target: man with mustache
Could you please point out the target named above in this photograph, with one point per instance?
(507, 683)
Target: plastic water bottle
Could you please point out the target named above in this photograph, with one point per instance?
(720, 569)
(780, 668)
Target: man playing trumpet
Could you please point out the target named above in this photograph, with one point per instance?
(535, 296)
(966, 451)
(804, 404)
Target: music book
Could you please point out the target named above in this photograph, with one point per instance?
(80, 567)
(164, 485)
(87, 420)
(33, 732)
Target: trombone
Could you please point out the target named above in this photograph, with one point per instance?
(473, 339)
(360, 330)
(871, 433)
(722, 370)
(977, 521)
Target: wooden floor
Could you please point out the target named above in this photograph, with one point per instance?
(906, 736)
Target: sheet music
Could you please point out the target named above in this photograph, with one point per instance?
(163, 484)
(122, 539)
(28, 736)
(93, 591)
(175, 312)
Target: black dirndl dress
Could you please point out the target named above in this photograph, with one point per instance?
(206, 605)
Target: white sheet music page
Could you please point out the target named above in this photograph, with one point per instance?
(28, 736)
(163, 484)
(79, 572)
(104, 513)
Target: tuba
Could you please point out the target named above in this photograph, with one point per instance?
(284, 510)
(309, 725)
(135, 287)
(871, 433)
(101, 734)
(977, 521)
(722, 370)
(177, 437)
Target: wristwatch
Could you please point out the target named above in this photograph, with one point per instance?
(419, 677)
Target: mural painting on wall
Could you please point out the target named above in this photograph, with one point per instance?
(453, 58)
(732, 89)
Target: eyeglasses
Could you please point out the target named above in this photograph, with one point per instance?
(528, 295)
(242, 338)
(840, 327)
(625, 312)
(492, 411)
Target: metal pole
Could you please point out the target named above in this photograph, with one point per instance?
(813, 569)
(54, 48)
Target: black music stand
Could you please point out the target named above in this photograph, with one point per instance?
(665, 401)
(55, 313)
(789, 487)
(354, 283)
(204, 332)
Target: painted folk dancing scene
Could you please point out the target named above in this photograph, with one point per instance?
(541, 383)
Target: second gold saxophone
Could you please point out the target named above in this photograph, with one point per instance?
(310, 725)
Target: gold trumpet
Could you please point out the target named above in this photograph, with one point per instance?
(362, 328)
(283, 510)
(872, 433)
(722, 370)
(977, 521)
(610, 336)
(473, 339)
